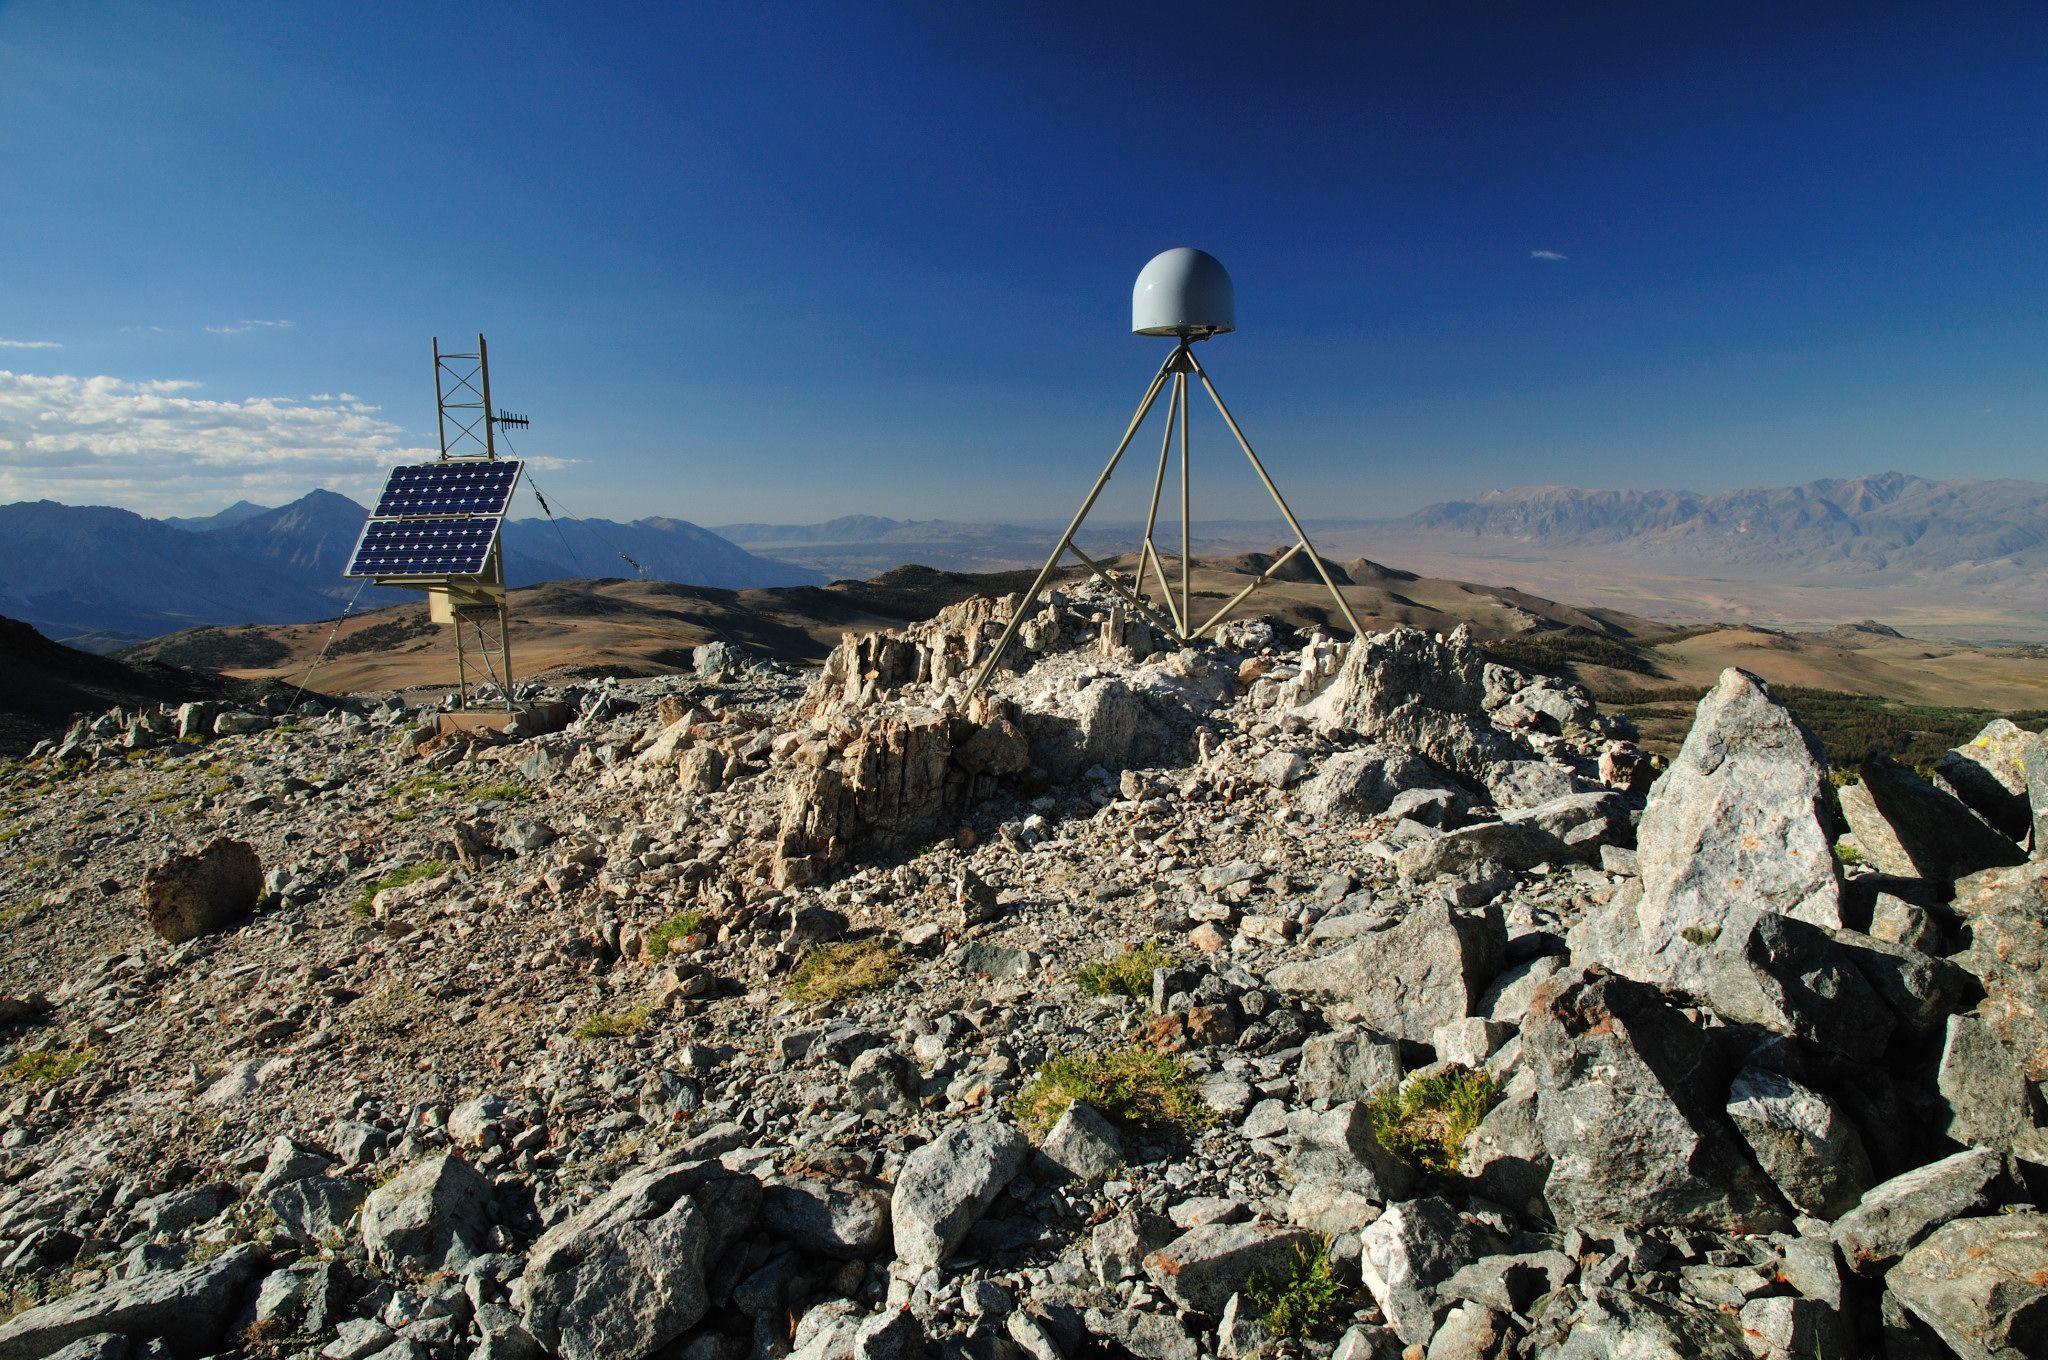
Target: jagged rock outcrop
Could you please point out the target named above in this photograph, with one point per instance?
(1418, 690)
(1628, 1107)
(1739, 819)
(1989, 774)
(1994, 1063)
(1911, 829)
(903, 775)
(1981, 1285)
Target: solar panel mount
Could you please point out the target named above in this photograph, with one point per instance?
(436, 519)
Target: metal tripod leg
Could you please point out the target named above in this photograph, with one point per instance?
(1017, 615)
(1315, 557)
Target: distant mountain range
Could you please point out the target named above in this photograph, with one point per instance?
(1890, 522)
(1965, 557)
(100, 577)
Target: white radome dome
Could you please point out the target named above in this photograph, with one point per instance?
(1183, 292)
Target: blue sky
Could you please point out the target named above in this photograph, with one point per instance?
(785, 262)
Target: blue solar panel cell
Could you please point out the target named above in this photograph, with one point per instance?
(429, 490)
(423, 547)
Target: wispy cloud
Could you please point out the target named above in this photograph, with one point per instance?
(30, 344)
(158, 447)
(244, 327)
(1548, 255)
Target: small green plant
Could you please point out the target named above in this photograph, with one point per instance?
(425, 784)
(616, 1025)
(1127, 974)
(397, 878)
(680, 926)
(35, 864)
(1702, 936)
(48, 1066)
(833, 972)
(1425, 1120)
(13, 832)
(1848, 853)
(1139, 1088)
(505, 791)
(1299, 1299)
(15, 913)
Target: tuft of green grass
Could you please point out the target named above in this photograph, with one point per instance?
(1425, 1120)
(1700, 935)
(1139, 1088)
(35, 864)
(426, 784)
(680, 926)
(617, 1025)
(834, 972)
(397, 878)
(1299, 1299)
(1847, 853)
(17, 912)
(48, 1066)
(1127, 974)
(504, 791)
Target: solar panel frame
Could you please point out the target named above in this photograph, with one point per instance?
(449, 546)
(452, 487)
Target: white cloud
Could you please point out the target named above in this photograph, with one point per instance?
(156, 447)
(1547, 255)
(30, 344)
(244, 327)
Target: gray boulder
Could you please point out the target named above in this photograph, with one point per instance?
(1751, 965)
(315, 1209)
(1596, 1323)
(1364, 782)
(1989, 775)
(1082, 1145)
(1994, 1059)
(187, 896)
(1802, 1139)
(1510, 845)
(1511, 1283)
(1627, 1110)
(839, 1218)
(1893, 1216)
(946, 1185)
(185, 1309)
(1740, 818)
(1338, 1147)
(1204, 1266)
(1408, 1255)
(1981, 1285)
(434, 1214)
(892, 1334)
(1504, 1158)
(1351, 1062)
(625, 1276)
(1412, 973)
(1910, 829)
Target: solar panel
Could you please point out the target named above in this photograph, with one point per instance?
(423, 547)
(433, 490)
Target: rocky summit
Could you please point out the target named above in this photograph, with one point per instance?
(1276, 997)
